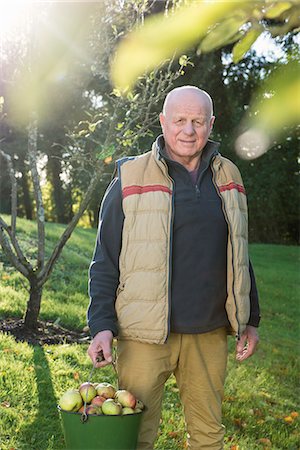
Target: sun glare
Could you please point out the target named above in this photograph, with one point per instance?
(12, 14)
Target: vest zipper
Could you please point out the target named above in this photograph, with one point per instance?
(238, 335)
(170, 252)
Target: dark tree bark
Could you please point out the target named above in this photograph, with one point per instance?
(33, 304)
(27, 203)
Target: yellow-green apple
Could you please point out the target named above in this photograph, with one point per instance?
(126, 410)
(98, 400)
(71, 400)
(87, 392)
(105, 390)
(126, 398)
(139, 405)
(111, 408)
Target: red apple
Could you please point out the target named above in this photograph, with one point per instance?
(105, 390)
(126, 398)
(98, 400)
(93, 409)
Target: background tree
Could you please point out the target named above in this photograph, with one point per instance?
(214, 25)
(255, 99)
(112, 125)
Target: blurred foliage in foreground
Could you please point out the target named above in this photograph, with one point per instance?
(213, 25)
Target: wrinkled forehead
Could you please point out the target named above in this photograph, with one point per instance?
(188, 100)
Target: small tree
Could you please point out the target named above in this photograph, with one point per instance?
(111, 128)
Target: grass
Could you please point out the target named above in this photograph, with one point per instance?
(261, 396)
(65, 293)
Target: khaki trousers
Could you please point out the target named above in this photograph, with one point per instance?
(198, 362)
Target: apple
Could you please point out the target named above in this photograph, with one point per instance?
(105, 390)
(126, 398)
(71, 400)
(137, 410)
(93, 409)
(87, 392)
(126, 410)
(90, 409)
(111, 408)
(139, 405)
(98, 400)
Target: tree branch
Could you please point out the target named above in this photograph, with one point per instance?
(10, 254)
(40, 212)
(11, 231)
(46, 271)
(13, 191)
(13, 240)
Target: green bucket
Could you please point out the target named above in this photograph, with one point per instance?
(100, 432)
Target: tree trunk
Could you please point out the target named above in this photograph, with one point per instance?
(33, 305)
(54, 171)
(26, 195)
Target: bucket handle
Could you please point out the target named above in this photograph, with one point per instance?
(100, 357)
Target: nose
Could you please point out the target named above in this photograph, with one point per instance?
(188, 128)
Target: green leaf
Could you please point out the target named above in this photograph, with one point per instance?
(276, 9)
(283, 107)
(183, 60)
(244, 44)
(161, 37)
(271, 118)
(222, 32)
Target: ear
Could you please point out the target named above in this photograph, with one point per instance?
(162, 121)
(212, 121)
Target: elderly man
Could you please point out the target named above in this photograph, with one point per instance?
(170, 276)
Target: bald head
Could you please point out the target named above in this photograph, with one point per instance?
(176, 95)
(187, 120)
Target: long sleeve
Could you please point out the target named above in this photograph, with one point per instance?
(254, 300)
(104, 268)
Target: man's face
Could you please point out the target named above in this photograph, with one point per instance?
(186, 125)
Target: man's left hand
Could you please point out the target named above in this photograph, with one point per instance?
(247, 344)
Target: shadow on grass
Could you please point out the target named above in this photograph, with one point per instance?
(45, 432)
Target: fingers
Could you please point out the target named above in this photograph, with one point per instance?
(100, 349)
(241, 348)
(247, 344)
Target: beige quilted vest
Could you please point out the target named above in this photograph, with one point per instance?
(143, 296)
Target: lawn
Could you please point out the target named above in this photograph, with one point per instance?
(262, 394)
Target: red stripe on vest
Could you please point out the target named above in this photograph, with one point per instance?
(232, 185)
(131, 190)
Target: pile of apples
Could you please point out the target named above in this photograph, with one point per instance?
(100, 398)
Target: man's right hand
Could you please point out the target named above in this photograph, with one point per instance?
(102, 341)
